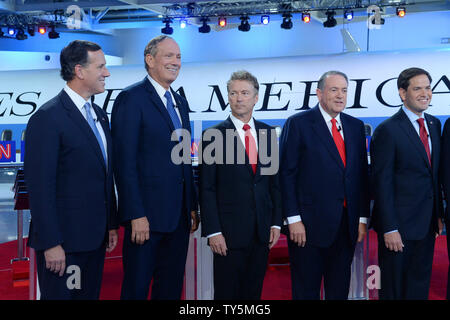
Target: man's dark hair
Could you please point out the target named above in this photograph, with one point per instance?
(406, 75)
(75, 53)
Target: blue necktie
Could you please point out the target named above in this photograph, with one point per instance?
(172, 113)
(91, 122)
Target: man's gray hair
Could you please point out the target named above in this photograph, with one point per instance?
(321, 83)
(243, 75)
(152, 47)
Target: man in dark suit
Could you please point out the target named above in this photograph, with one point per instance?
(324, 184)
(405, 152)
(157, 199)
(445, 176)
(240, 197)
(68, 171)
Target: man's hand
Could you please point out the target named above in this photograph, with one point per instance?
(297, 233)
(393, 241)
(112, 241)
(55, 259)
(140, 230)
(440, 227)
(362, 231)
(274, 236)
(218, 244)
(195, 221)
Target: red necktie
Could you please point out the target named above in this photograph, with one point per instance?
(250, 147)
(339, 144)
(338, 140)
(424, 137)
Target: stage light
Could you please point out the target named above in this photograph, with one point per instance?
(167, 29)
(21, 34)
(205, 28)
(265, 19)
(244, 26)
(401, 11)
(183, 23)
(42, 29)
(331, 21)
(53, 34)
(348, 14)
(287, 22)
(222, 22)
(306, 17)
(11, 31)
(30, 30)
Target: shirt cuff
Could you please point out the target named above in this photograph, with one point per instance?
(276, 227)
(292, 219)
(391, 231)
(363, 220)
(213, 234)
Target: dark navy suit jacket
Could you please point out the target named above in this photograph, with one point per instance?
(314, 181)
(71, 191)
(406, 187)
(149, 183)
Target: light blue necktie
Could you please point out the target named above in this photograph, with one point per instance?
(91, 122)
(172, 113)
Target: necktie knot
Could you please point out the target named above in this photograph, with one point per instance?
(246, 127)
(421, 122)
(167, 95)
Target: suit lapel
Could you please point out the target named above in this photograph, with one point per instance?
(106, 130)
(157, 102)
(435, 140)
(349, 140)
(81, 123)
(321, 129)
(413, 137)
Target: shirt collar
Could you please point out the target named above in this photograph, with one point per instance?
(160, 90)
(327, 117)
(411, 115)
(78, 100)
(239, 124)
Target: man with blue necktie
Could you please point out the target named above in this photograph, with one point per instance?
(68, 171)
(157, 198)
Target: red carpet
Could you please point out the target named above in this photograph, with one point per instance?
(277, 284)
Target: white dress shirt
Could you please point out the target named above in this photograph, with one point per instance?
(239, 128)
(327, 118)
(161, 92)
(79, 102)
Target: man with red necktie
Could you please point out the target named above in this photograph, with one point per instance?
(324, 184)
(239, 201)
(405, 152)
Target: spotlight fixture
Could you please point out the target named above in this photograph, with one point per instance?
(331, 21)
(21, 34)
(53, 34)
(42, 29)
(167, 29)
(306, 17)
(183, 23)
(205, 28)
(348, 14)
(244, 26)
(30, 30)
(401, 11)
(222, 22)
(287, 22)
(265, 19)
(11, 31)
